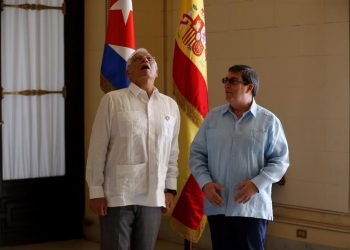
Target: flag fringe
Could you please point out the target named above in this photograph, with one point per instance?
(191, 111)
(187, 233)
(105, 85)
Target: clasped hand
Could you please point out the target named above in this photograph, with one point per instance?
(246, 191)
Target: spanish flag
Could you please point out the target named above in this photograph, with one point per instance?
(191, 92)
(119, 45)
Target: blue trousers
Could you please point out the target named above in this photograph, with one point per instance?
(237, 233)
(130, 227)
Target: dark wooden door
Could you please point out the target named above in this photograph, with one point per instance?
(52, 208)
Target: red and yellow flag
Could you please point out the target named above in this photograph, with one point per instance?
(191, 92)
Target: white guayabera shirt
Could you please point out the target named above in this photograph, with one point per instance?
(133, 149)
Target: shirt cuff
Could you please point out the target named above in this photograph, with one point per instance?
(171, 183)
(261, 182)
(96, 192)
(203, 180)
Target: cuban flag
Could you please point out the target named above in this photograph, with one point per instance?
(119, 45)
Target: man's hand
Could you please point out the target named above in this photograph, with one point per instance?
(169, 204)
(246, 191)
(212, 192)
(98, 206)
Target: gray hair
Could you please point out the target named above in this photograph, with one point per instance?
(249, 76)
(139, 50)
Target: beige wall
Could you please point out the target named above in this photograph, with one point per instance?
(300, 48)
(94, 41)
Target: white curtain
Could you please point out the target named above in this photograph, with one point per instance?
(32, 58)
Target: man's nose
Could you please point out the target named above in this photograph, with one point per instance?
(227, 85)
(145, 59)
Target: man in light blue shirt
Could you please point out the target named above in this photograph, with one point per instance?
(239, 151)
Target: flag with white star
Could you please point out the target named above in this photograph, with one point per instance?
(119, 45)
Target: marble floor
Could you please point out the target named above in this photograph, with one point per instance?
(83, 245)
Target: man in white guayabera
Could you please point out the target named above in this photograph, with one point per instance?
(132, 160)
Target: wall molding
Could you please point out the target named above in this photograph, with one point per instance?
(312, 218)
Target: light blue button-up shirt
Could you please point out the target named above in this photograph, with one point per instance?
(229, 151)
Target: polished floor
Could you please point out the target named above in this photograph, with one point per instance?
(83, 245)
(161, 245)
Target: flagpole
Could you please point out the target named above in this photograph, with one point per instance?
(187, 245)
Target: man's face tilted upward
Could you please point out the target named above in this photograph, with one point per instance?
(142, 67)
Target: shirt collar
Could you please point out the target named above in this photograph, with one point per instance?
(136, 90)
(253, 109)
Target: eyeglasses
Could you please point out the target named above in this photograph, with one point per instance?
(232, 81)
(141, 58)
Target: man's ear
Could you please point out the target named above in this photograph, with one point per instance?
(250, 87)
(156, 69)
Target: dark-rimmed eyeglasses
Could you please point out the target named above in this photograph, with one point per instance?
(232, 81)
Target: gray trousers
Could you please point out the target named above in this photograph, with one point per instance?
(130, 227)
